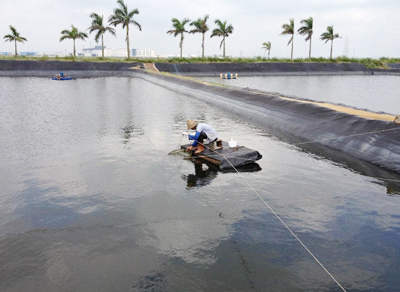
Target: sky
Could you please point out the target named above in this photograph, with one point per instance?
(368, 28)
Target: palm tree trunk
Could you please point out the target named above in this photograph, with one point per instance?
(202, 47)
(127, 40)
(291, 57)
(74, 49)
(309, 52)
(268, 54)
(224, 49)
(181, 44)
(16, 53)
(102, 45)
(331, 47)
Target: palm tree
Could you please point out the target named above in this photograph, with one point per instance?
(123, 16)
(73, 34)
(222, 30)
(201, 27)
(267, 46)
(179, 29)
(289, 29)
(14, 37)
(307, 30)
(97, 25)
(329, 36)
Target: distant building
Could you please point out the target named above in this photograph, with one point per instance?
(28, 53)
(108, 52)
(94, 52)
(120, 53)
(142, 53)
(60, 54)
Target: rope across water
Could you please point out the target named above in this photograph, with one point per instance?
(280, 219)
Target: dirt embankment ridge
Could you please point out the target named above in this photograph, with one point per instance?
(29, 67)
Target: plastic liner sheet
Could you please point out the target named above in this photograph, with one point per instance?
(374, 141)
(215, 69)
(14, 68)
(6, 65)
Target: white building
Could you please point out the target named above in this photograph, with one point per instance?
(118, 53)
(113, 52)
(143, 53)
(108, 52)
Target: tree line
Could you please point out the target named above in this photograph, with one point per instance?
(200, 26)
(307, 30)
(124, 17)
(121, 16)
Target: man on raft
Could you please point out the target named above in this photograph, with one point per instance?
(203, 131)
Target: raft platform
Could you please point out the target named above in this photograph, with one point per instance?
(219, 154)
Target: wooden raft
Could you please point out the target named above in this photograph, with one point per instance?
(220, 154)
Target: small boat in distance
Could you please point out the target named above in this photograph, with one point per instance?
(61, 76)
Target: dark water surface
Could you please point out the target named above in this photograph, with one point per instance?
(90, 200)
(372, 92)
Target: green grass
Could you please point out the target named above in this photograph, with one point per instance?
(381, 63)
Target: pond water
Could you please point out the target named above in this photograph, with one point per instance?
(372, 92)
(90, 200)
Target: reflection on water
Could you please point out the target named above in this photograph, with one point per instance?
(205, 172)
(375, 93)
(91, 200)
(202, 176)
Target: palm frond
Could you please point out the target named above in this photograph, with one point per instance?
(14, 36)
(14, 31)
(216, 32)
(222, 29)
(64, 37)
(132, 13)
(110, 30)
(266, 46)
(136, 24)
(9, 38)
(229, 29)
(329, 35)
(179, 27)
(218, 23)
(65, 31)
(122, 5)
(307, 28)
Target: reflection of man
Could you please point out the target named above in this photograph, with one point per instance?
(201, 177)
(203, 131)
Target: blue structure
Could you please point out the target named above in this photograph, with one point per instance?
(61, 77)
(28, 53)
